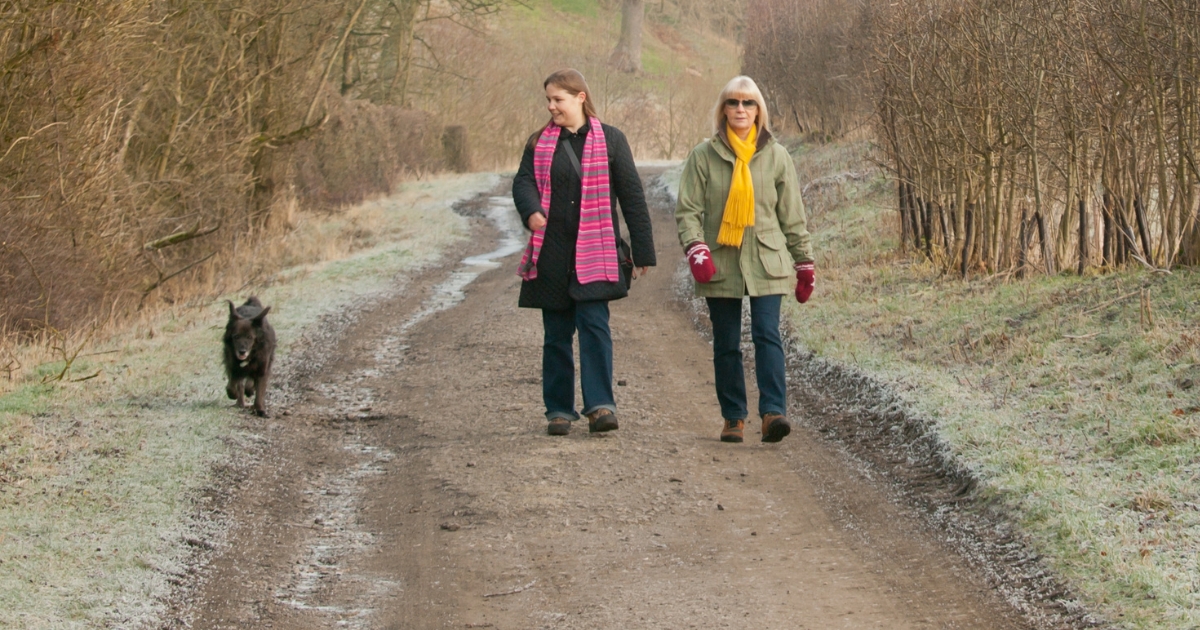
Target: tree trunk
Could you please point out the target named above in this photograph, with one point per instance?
(1023, 245)
(927, 226)
(1139, 211)
(627, 56)
(914, 215)
(457, 151)
(945, 233)
(1083, 234)
(347, 68)
(1128, 241)
(959, 208)
(969, 234)
(1109, 251)
(333, 58)
(1047, 246)
(399, 43)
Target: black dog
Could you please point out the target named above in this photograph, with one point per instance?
(249, 353)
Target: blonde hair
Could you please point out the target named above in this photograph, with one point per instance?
(741, 86)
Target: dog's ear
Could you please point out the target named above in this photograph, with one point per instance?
(261, 317)
(233, 314)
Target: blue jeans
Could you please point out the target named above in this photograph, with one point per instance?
(595, 360)
(726, 316)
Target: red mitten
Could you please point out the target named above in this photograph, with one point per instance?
(805, 279)
(700, 260)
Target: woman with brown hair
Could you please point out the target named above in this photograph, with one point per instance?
(573, 173)
(742, 226)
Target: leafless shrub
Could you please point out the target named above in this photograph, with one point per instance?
(146, 145)
(1022, 134)
(152, 152)
(346, 163)
(809, 57)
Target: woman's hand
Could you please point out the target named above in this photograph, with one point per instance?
(537, 221)
(700, 262)
(805, 280)
(638, 272)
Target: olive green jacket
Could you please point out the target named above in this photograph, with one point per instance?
(763, 265)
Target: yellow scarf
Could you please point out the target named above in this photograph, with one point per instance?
(739, 207)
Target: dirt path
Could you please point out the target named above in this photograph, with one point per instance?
(412, 486)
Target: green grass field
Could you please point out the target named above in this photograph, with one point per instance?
(102, 482)
(1075, 399)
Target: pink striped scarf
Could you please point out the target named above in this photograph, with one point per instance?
(595, 247)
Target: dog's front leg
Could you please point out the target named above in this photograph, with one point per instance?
(260, 395)
(239, 388)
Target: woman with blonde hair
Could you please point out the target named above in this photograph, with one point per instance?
(574, 171)
(742, 227)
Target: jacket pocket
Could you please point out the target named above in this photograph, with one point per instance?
(773, 254)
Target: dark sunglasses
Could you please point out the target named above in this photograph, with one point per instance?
(733, 103)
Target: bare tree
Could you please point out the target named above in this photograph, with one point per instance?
(627, 56)
(147, 143)
(1023, 134)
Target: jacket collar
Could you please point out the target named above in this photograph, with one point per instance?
(721, 143)
(581, 132)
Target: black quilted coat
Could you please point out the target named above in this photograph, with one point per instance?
(555, 283)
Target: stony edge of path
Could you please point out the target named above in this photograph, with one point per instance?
(874, 427)
(872, 424)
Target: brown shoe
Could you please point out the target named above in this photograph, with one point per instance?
(558, 426)
(732, 432)
(775, 427)
(602, 420)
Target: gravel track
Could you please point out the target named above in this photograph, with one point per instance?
(409, 483)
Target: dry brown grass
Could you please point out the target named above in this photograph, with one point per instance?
(151, 156)
(147, 153)
(122, 461)
(301, 237)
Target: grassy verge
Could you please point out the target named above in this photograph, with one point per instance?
(101, 480)
(1075, 400)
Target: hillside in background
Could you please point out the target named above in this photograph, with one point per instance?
(490, 80)
(152, 156)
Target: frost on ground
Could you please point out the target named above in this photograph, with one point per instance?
(874, 422)
(337, 495)
(105, 505)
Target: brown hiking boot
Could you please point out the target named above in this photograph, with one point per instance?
(558, 426)
(602, 420)
(775, 427)
(732, 432)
